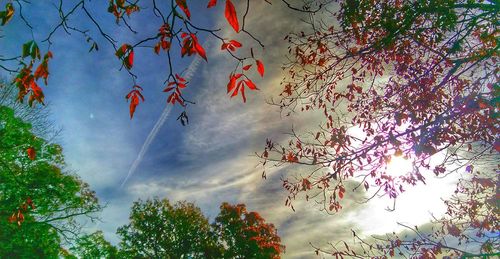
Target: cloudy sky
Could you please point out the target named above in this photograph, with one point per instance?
(212, 159)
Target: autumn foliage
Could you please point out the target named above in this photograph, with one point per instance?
(246, 233)
(393, 78)
(158, 228)
(175, 27)
(411, 79)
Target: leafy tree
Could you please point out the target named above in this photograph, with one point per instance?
(246, 234)
(94, 246)
(39, 202)
(397, 78)
(411, 79)
(158, 229)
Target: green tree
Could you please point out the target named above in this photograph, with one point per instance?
(39, 201)
(158, 229)
(246, 234)
(94, 246)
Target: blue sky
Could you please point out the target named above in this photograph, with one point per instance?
(207, 162)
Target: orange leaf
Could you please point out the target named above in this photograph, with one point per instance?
(231, 16)
(260, 67)
(157, 48)
(134, 96)
(31, 153)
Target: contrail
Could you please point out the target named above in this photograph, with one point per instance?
(152, 135)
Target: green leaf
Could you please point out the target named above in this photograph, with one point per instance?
(35, 51)
(27, 48)
(2, 16)
(7, 15)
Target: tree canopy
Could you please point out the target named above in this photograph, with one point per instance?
(94, 246)
(39, 201)
(158, 229)
(392, 79)
(246, 234)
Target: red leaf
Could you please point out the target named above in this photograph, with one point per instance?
(199, 48)
(251, 85)
(247, 67)
(231, 16)
(243, 94)
(168, 89)
(260, 67)
(235, 92)
(212, 3)
(31, 153)
(235, 43)
(181, 79)
(341, 192)
(231, 84)
(183, 5)
(130, 60)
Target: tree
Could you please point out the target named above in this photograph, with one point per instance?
(158, 229)
(246, 234)
(36, 116)
(411, 79)
(39, 201)
(176, 33)
(94, 246)
(395, 79)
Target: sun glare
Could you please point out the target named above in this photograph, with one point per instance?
(399, 166)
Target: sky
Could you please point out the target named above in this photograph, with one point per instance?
(212, 159)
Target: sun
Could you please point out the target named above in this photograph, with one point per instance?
(399, 166)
